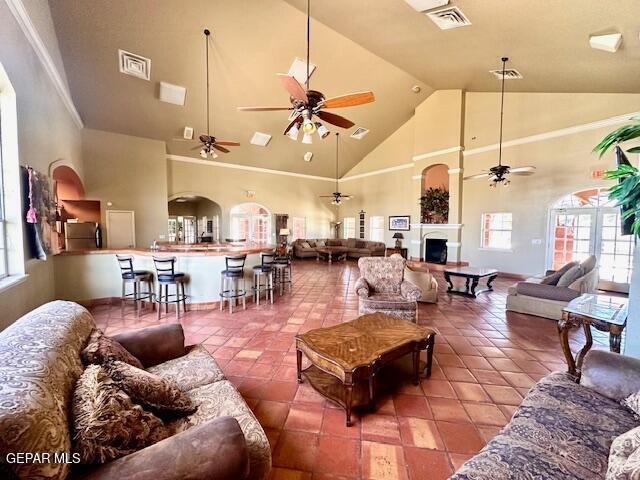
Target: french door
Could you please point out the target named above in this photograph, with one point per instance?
(577, 233)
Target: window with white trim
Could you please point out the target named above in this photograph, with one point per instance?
(299, 228)
(349, 227)
(496, 230)
(376, 229)
(252, 222)
(4, 267)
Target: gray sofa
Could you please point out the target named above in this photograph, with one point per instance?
(563, 430)
(356, 248)
(535, 297)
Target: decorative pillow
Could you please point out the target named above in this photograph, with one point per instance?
(320, 243)
(106, 423)
(624, 456)
(152, 391)
(311, 243)
(102, 348)
(553, 278)
(570, 276)
(360, 244)
(305, 245)
(632, 402)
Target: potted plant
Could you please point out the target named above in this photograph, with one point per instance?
(434, 205)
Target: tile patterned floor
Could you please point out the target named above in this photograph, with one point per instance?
(485, 361)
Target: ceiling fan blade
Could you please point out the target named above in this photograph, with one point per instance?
(263, 109)
(522, 174)
(219, 148)
(197, 147)
(479, 175)
(349, 100)
(326, 196)
(334, 119)
(229, 144)
(294, 88)
(293, 122)
(519, 170)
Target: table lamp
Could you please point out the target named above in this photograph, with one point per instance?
(398, 236)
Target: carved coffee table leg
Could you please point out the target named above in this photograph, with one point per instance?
(431, 345)
(564, 326)
(615, 337)
(474, 285)
(299, 364)
(490, 281)
(466, 285)
(349, 387)
(447, 277)
(586, 326)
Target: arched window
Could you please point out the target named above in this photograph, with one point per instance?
(250, 221)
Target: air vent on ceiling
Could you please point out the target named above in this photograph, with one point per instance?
(509, 74)
(359, 133)
(450, 17)
(260, 139)
(134, 65)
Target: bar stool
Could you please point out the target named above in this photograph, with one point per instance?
(230, 279)
(267, 260)
(282, 271)
(167, 275)
(137, 278)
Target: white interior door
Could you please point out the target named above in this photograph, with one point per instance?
(121, 229)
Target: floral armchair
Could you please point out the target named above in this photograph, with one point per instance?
(382, 288)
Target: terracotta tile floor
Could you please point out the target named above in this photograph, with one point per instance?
(485, 361)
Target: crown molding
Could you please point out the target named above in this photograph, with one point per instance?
(561, 132)
(211, 163)
(436, 153)
(21, 15)
(377, 172)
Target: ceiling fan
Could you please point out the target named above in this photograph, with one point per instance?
(337, 197)
(498, 175)
(306, 104)
(209, 144)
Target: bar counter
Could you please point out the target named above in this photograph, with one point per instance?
(93, 275)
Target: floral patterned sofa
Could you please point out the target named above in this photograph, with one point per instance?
(40, 362)
(563, 430)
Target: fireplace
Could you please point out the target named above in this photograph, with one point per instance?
(435, 250)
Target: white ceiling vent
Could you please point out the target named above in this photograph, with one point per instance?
(298, 70)
(422, 5)
(450, 17)
(609, 43)
(134, 65)
(170, 93)
(260, 139)
(509, 74)
(359, 133)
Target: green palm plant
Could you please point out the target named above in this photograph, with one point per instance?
(627, 192)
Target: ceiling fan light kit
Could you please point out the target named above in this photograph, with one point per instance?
(498, 175)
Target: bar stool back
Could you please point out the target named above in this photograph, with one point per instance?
(282, 271)
(265, 269)
(167, 275)
(230, 279)
(135, 278)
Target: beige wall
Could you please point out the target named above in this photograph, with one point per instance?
(295, 196)
(46, 133)
(131, 173)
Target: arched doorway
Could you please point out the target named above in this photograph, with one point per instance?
(193, 219)
(68, 185)
(434, 197)
(251, 222)
(587, 223)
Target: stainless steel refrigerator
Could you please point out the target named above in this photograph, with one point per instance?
(80, 236)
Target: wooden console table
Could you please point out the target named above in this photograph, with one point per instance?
(605, 313)
(346, 358)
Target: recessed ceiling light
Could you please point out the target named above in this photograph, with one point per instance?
(260, 139)
(174, 94)
(422, 5)
(448, 18)
(308, 156)
(298, 70)
(360, 133)
(608, 43)
(134, 65)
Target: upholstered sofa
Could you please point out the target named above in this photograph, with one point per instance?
(535, 297)
(563, 430)
(40, 363)
(356, 248)
(382, 288)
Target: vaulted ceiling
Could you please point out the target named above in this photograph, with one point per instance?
(382, 45)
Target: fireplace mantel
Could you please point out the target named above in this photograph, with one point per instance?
(437, 226)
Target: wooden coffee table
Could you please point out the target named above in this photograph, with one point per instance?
(346, 358)
(470, 274)
(329, 253)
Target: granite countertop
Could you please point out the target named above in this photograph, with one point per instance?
(195, 249)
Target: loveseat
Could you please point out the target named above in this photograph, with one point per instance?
(40, 363)
(356, 248)
(563, 430)
(537, 297)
